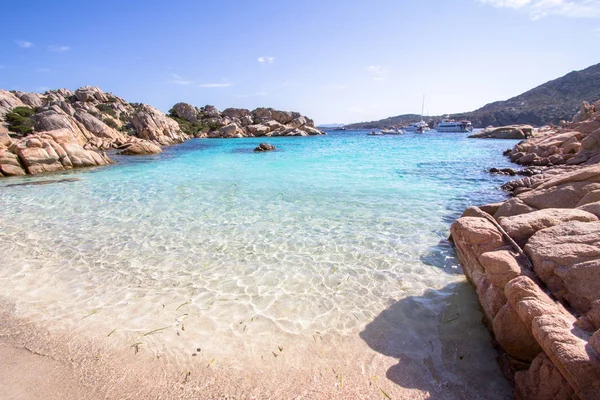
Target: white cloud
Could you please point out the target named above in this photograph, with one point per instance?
(42, 89)
(266, 60)
(23, 43)
(59, 49)
(541, 8)
(215, 85)
(178, 80)
(378, 72)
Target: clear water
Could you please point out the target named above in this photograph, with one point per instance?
(242, 249)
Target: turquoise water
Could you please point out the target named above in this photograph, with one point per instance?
(321, 235)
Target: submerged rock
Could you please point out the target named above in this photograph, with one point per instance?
(264, 147)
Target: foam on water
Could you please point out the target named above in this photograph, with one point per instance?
(233, 250)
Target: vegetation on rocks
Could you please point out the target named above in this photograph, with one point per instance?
(20, 121)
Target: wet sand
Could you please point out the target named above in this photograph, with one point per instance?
(433, 358)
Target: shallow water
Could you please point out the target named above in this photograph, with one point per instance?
(237, 252)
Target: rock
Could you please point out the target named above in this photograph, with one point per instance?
(32, 100)
(264, 147)
(9, 164)
(514, 336)
(472, 237)
(527, 159)
(500, 267)
(505, 132)
(152, 125)
(521, 227)
(95, 126)
(230, 131)
(185, 111)
(542, 381)
(8, 101)
(141, 147)
(566, 258)
(258, 130)
(569, 353)
(5, 139)
(238, 113)
(514, 206)
(593, 208)
(91, 94)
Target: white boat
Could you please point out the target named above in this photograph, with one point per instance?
(394, 131)
(374, 133)
(418, 127)
(450, 125)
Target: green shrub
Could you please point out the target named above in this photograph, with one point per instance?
(24, 111)
(106, 109)
(111, 122)
(191, 128)
(20, 121)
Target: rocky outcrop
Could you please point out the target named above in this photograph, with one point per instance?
(575, 143)
(264, 147)
(72, 130)
(208, 122)
(68, 129)
(535, 263)
(505, 132)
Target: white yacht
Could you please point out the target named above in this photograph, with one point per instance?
(418, 127)
(421, 126)
(450, 125)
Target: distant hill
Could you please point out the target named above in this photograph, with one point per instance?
(548, 103)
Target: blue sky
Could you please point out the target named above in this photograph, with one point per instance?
(335, 61)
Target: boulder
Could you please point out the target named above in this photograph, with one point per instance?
(593, 208)
(522, 227)
(141, 147)
(9, 164)
(566, 258)
(258, 130)
(238, 113)
(472, 237)
(91, 94)
(505, 132)
(185, 111)
(500, 267)
(32, 100)
(514, 206)
(95, 126)
(542, 381)
(231, 131)
(264, 147)
(514, 336)
(8, 101)
(151, 124)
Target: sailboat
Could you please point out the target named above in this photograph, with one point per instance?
(421, 126)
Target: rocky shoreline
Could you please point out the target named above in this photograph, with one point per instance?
(63, 129)
(534, 261)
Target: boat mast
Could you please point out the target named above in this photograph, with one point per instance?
(422, 107)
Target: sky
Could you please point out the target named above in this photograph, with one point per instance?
(334, 61)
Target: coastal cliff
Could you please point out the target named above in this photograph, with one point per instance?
(535, 263)
(63, 129)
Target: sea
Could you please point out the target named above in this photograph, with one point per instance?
(330, 253)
